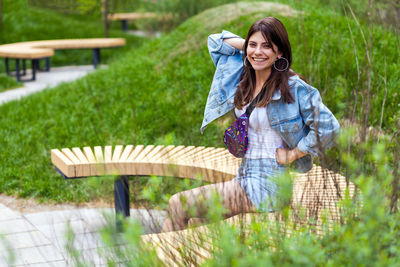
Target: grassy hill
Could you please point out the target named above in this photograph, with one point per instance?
(155, 94)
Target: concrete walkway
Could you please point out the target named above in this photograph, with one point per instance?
(39, 239)
(45, 80)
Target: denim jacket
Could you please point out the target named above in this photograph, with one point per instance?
(306, 123)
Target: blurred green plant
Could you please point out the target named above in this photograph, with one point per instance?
(366, 234)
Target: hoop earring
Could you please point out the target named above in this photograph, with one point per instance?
(284, 69)
(246, 62)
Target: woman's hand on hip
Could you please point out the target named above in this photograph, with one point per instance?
(287, 156)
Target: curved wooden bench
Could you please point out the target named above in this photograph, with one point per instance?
(132, 16)
(36, 50)
(313, 192)
(319, 189)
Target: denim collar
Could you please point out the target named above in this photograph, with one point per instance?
(277, 95)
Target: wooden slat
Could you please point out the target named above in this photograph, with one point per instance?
(117, 153)
(146, 165)
(84, 161)
(205, 153)
(135, 153)
(63, 163)
(79, 168)
(92, 160)
(100, 166)
(79, 154)
(144, 152)
(163, 152)
(107, 154)
(181, 154)
(217, 153)
(98, 152)
(153, 153)
(160, 168)
(169, 255)
(111, 159)
(123, 166)
(129, 163)
(167, 157)
(125, 153)
(191, 156)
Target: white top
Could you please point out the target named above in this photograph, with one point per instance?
(263, 140)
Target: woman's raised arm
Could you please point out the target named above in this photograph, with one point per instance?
(237, 43)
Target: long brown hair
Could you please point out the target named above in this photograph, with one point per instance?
(274, 32)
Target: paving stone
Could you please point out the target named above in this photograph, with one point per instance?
(39, 254)
(62, 263)
(25, 240)
(92, 257)
(55, 217)
(15, 226)
(60, 229)
(7, 213)
(80, 241)
(46, 80)
(30, 234)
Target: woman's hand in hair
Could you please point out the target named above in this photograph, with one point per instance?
(286, 156)
(237, 43)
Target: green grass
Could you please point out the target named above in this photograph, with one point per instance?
(7, 83)
(155, 94)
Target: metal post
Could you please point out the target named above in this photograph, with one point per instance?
(96, 57)
(33, 63)
(47, 63)
(17, 74)
(121, 198)
(7, 68)
(23, 67)
(124, 24)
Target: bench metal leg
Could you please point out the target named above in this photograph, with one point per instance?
(121, 198)
(33, 63)
(47, 64)
(7, 67)
(96, 57)
(17, 74)
(124, 24)
(23, 67)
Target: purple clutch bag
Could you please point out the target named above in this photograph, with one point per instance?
(235, 137)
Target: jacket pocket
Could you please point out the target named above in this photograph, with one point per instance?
(292, 130)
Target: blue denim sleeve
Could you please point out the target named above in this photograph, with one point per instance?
(323, 125)
(217, 47)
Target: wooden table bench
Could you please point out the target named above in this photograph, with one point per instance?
(37, 50)
(319, 190)
(134, 16)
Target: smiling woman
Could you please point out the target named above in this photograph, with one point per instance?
(261, 54)
(289, 122)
